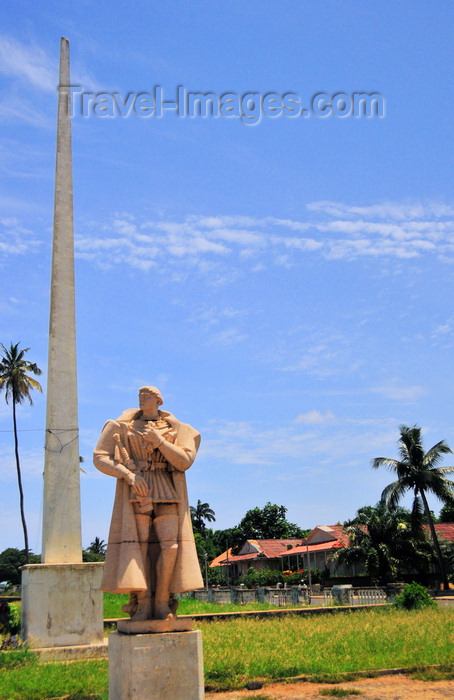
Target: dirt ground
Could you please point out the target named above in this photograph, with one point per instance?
(394, 687)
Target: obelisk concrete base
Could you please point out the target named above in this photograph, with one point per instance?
(62, 604)
(156, 666)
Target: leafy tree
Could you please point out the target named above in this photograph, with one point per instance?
(17, 385)
(418, 471)
(384, 542)
(223, 539)
(11, 560)
(199, 514)
(447, 513)
(267, 523)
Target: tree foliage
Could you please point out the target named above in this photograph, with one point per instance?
(98, 546)
(96, 551)
(199, 514)
(447, 513)
(383, 541)
(267, 523)
(11, 560)
(418, 471)
(17, 384)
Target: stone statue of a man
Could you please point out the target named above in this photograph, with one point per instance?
(151, 551)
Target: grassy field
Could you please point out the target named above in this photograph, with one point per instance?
(323, 647)
(237, 651)
(187, 606)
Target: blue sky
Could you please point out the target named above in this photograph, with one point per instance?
(288, 285)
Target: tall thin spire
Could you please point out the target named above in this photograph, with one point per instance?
(61, 508)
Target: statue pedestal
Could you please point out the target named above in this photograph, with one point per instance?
(165, 666)
(62, 605)
(172, 624)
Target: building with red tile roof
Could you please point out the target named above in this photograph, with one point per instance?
(320, 545)
(260, 554)
(315, 552)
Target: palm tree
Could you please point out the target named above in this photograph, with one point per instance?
(200, 513)
(17, 385)
(418, 471)
(98, 546)
(383, 541)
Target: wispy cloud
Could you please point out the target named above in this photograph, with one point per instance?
(395, 211)
(33, 66)
(395, 391)
(315, 417)
(28, 63)
(222, 246)
(15, 239)
(443, 329)
(321, 443)
(332, 230)
(31, 70)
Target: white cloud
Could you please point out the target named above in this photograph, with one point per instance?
(398, 211)
(399, 392)
(29, 63)
(229, 336)
(315, 418)
(443, 329)
(32, 65)
(318, 446)
(31, 71)
(16, 239)
(222, 247)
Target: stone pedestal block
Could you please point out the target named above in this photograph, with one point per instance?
(156, 666)
(173, 624)
(62, 604)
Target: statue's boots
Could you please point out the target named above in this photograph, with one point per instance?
(166, 529)
(140, 603)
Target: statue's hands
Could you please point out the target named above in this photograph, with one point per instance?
(152, 436)
(137, 484)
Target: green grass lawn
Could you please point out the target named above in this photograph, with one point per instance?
(237, 651)
(324, 646)
(187, 606)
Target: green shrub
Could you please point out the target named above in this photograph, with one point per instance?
(9, 618)
(216, 576)
(265, 577)
(414, 597)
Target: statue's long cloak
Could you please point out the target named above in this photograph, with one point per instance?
(124, 569)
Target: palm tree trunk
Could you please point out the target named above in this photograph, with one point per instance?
(19, 481)
(435, 541)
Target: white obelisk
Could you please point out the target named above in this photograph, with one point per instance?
(61, 597)
(61, 507)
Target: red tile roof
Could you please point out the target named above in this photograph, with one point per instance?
(267, 549)
(336, 531)
(223, 559)
(272, 548)
(445, 530)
